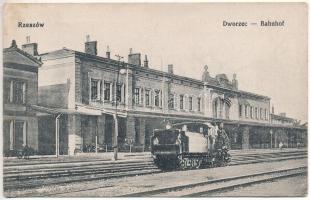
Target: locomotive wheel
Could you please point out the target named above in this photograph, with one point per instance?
(199, 161)
(193, 163)
(181, 162)
(188, 163)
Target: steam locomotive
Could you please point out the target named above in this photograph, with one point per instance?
(188, 149)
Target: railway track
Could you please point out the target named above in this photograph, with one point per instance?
(31, 176)
(205, 188)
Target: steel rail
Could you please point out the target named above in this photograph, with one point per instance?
(20, 185)
(18, 173)
(191, 186)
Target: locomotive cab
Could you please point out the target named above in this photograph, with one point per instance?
(167, 142)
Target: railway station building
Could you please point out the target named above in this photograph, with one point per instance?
(81, 93)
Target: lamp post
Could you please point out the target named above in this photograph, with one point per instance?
(57, 134)
(115, 145)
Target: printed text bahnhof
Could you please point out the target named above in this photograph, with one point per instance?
(262, 23)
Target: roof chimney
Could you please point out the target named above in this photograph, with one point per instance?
(90, 46)
(108, 53)
(134, 58)
(30, 48)
(146, 62)
(13, 44)
(170, 69)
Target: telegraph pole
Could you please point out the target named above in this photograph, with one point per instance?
(115, 146)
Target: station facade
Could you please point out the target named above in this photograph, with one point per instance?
(80, 93)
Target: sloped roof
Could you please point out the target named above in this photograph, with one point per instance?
(220, 81)
(279, 117)
(16, 55)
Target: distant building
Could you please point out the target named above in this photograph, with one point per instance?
(289, 138)
(283, 119)
(20, 90)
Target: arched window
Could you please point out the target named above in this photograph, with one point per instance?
(226, 108)
(226, 104)
(217, 108)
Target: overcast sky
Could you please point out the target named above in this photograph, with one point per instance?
(270, 61)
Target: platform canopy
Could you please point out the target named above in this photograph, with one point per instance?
(42, 110)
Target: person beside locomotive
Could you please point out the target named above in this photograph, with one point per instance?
(222, 139)
(212, 135)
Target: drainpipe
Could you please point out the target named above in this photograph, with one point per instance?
(57, 134)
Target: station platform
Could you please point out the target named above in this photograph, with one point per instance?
(122, 157)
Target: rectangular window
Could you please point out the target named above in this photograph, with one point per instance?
(261, 113)
(15, 134)
(171, 101)
(95, 90)
(107, 91)
(198, 104)
(19, 134)
(246, 111)
(181, 102)
(6, 135)
(119, 92)
(157, 98)
(7, 91)
(190, 102)
(137, 96)
(256, 113)
(240, 110)
(147, 97)
(18, 94)
(265, 114)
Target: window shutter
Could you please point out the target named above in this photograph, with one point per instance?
(174, 101)
(111, 91)
(195, 103)
(11, 91)
(11, 135)
(102, 90)
(141, 96)
(185, 103)
(144, 95)
(152, 98)
(123, 93)
(160, 98)
(98, 90)
(25, 134)
(89, 89)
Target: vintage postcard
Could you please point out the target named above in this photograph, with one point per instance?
(155, 99)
